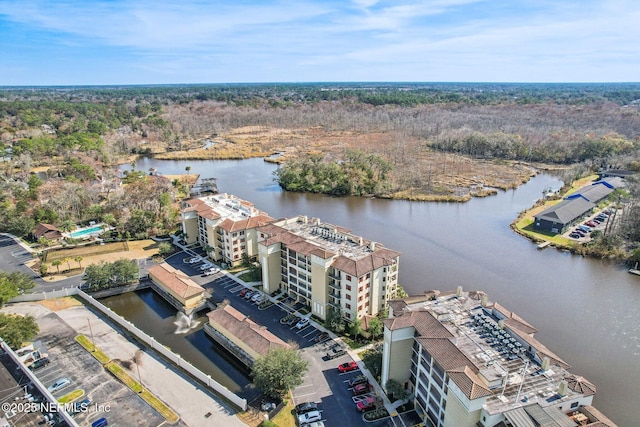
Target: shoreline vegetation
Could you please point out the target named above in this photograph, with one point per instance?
(414, 141)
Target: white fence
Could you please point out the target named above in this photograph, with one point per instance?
(142, 336)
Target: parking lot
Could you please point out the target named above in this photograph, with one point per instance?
(323, 383)
(109, 397)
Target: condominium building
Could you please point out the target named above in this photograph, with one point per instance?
(323, 266)
(224, 225)
(470, 362)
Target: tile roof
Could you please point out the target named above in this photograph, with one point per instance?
(257, 337)
(358, 267)
(580, 385)
(176, 280)
(469, 383)
(514, 321)
(230, 225)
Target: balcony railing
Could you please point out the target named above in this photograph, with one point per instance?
(334, 285)
(334, 275)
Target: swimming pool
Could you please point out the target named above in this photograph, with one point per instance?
(96, 229)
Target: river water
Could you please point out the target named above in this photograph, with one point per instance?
(586, 311)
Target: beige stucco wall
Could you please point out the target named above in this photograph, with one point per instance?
(457, 415)
(319, 286)
(269, 258)
(396, 354)
(190, 227)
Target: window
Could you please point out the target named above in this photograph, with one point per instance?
(348, 278)
(359, 308)
(348, 306)
(347, 315)
(348, 287)
(348, 296)
(360, 298)
(574, 405)
(368, 275)
(360, 279)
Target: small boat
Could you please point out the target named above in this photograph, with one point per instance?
(635, 270)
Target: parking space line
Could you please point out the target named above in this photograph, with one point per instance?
(312, 332)
(306, 394)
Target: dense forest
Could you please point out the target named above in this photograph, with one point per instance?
(428, 141)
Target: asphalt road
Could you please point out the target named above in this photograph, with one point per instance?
(12, 258)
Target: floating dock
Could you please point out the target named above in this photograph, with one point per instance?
(544, 244)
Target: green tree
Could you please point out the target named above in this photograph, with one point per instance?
(395, 389)
(376, 328)
(13, 284)
(164, 249)
(355, 328)
(335, 320)
(278, 371)
(15, 329)
(79, 259)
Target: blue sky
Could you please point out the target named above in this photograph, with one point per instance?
(74, 42)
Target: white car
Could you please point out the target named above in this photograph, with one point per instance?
(309, 417)
(59, 385)
(211, 271)
(256, 297)
(206, 266)
(303, 323)
(194, 260)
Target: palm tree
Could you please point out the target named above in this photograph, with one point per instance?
(56, 264)
(188, 169)
(78, 259)
(68, 261)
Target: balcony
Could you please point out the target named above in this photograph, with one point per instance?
(335, 304)
(335, 294)
(334, 275)
(334, 285)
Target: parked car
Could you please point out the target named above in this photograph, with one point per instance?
(292, 320)
(580, 232)
(348, 366)
(211, 271)
(249, 294)
(206, 266)
(59, 384)
(256, 296)
(309, 417)
(368, 403)
(575, 235)
(591, 224)
(43, 361)
(305, 407)
(335, 352)
(303, 323)
(244, 292)
(361, 389)
(102, 422)
(584, 228)
(360, 379)
(598, 220)
(194, 260)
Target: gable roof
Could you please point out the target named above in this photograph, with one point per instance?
(257, 337)
(46, 230)
(566, 211)
(175, 280)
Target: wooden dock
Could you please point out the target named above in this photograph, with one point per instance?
(544, 244)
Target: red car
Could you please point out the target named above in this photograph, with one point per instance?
(349, 366)
(243, 292)
(368, 403)
(590, 223)
(361, 389)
